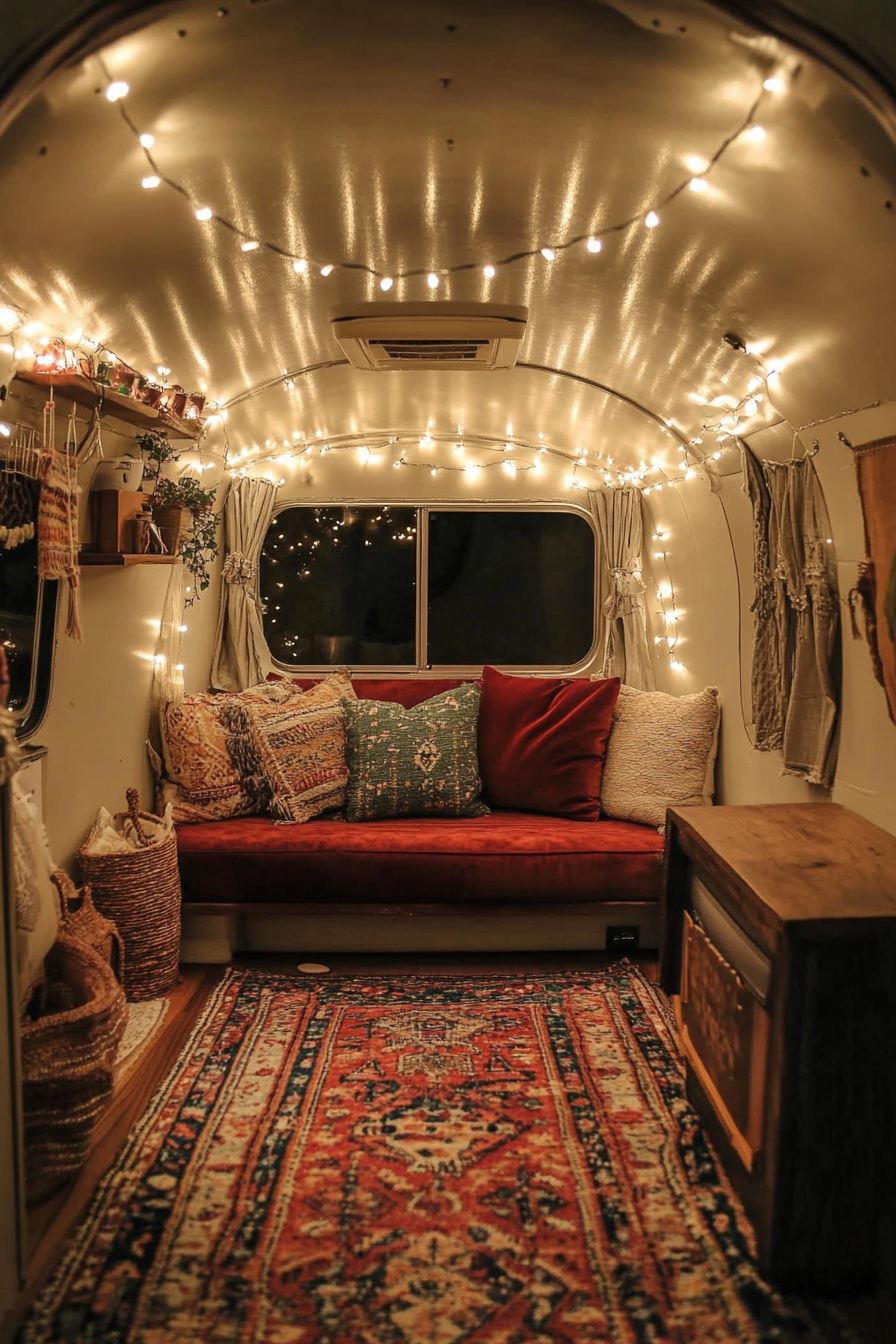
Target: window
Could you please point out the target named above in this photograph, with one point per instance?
(27, 620)
(374, 586)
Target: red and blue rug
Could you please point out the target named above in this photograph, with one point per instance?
(491, 1160)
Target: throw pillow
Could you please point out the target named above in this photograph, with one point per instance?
(298, 747)
(661, 754)
(204, 754)
(414, 762)
(542, 742)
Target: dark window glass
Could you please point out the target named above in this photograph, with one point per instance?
(339, 585)
(510, 587)
(19, 588)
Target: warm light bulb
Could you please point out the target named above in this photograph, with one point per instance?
(8, 318)
(594, 244)
(182, 629)
(698, 184)
(204, 213)
(751, 406)
(432, 280)
(387, 282)
(679, 667)
(471, 471)
(690, 474)
(488, 272)
(757, 134)
(300, 266)
(434, 471)
(774, 85)
(652, 219)
(327, 270)
(150, 182)
(548, 253)
(117, 89)
(250, 245)
(510, 468)
(717, 454)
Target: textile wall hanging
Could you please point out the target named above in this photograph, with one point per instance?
(876, 470)
(796, 644)
(57, 519)
(626, 653)
(241, 657)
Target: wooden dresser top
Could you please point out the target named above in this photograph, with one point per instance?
(806, 862)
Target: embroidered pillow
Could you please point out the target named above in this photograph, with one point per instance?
(414, 762)
(542, 742)
(661, 754)
(205, 755)
(298, 747)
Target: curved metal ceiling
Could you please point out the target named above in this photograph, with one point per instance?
(428, 137)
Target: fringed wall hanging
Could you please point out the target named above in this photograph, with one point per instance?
(57, 522)
(876, 587)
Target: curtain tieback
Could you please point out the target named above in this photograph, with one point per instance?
(238, 569)
(627, 589)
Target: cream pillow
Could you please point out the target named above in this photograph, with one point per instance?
(661, 753)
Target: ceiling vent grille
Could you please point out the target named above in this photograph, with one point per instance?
(430, 335)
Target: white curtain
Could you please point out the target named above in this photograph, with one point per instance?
(626, 653)
(167, 687)
(241, 656)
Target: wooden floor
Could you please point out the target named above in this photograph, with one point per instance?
(51, 1223)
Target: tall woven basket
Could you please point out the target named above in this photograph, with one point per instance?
(140, 892)
(68, 1056)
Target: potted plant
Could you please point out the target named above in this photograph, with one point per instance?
(181, 509)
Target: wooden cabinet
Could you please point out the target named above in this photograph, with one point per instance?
(779, 949)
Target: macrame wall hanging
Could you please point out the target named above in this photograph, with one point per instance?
(57, 520)
(19, 488)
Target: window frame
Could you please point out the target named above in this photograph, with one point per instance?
(423, 509)
(30, 717)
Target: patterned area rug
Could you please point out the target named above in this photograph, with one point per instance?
(494, 1160)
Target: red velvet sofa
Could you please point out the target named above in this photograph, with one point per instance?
(511, 862)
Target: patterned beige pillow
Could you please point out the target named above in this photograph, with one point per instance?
(661, 753)
(202, 760)
(299, 747)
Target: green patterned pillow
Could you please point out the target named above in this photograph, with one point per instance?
(413, 762)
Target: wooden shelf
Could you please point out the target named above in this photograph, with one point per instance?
(120, 558)
(89, 393)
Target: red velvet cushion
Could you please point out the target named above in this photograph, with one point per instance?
(542, 742)
(397, 690)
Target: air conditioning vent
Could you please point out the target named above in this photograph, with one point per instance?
(431, 335)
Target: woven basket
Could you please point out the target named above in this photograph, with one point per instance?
(140, 892)
(68, 1054)
(80, 919)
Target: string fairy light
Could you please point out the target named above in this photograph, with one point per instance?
(667, 635)
(748, 129)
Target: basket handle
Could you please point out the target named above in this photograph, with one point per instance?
(135, 814)
(66, 888)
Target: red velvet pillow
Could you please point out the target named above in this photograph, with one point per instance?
(542, 742)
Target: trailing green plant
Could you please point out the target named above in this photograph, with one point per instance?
(199, 545)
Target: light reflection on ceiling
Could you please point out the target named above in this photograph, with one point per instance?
(403, 139)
